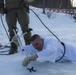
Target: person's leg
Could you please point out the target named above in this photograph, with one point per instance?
(11, 22)
(23, 19)
(70, 53)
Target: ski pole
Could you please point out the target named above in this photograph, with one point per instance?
(19, 41)
(4, 27)
(30, 67)
(15, 36)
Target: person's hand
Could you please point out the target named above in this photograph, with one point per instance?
(2, 11)
(28, 59)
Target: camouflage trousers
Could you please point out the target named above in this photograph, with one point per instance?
(21, 16)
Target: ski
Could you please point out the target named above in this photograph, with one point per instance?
(2, 47)
(4, 51)
(5, 54)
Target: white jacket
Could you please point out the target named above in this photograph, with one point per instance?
(52, 50)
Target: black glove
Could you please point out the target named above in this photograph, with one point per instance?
(2, 11)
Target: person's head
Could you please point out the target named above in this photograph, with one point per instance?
(37, 42)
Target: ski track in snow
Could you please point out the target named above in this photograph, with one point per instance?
(61, 25)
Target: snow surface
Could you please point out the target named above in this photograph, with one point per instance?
(62, 25)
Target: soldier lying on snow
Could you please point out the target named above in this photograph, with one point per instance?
(43, 49)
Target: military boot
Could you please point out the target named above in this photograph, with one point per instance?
(27, 38)
(13, 48)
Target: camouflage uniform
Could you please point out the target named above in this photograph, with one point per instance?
(15, 11)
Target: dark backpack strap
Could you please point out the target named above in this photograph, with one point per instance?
(63, 53)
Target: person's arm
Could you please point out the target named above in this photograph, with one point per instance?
(42, 56)
(49, 53)
(46, 55)
(28, 59)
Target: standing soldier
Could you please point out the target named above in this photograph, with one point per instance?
(15, 10)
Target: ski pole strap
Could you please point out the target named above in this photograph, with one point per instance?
(63, 53)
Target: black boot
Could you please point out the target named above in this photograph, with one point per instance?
(27, 38)
(13, 48)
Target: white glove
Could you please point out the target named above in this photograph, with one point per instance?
(28, 59)
(15, 40)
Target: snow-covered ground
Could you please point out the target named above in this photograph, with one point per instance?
(62, 25)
